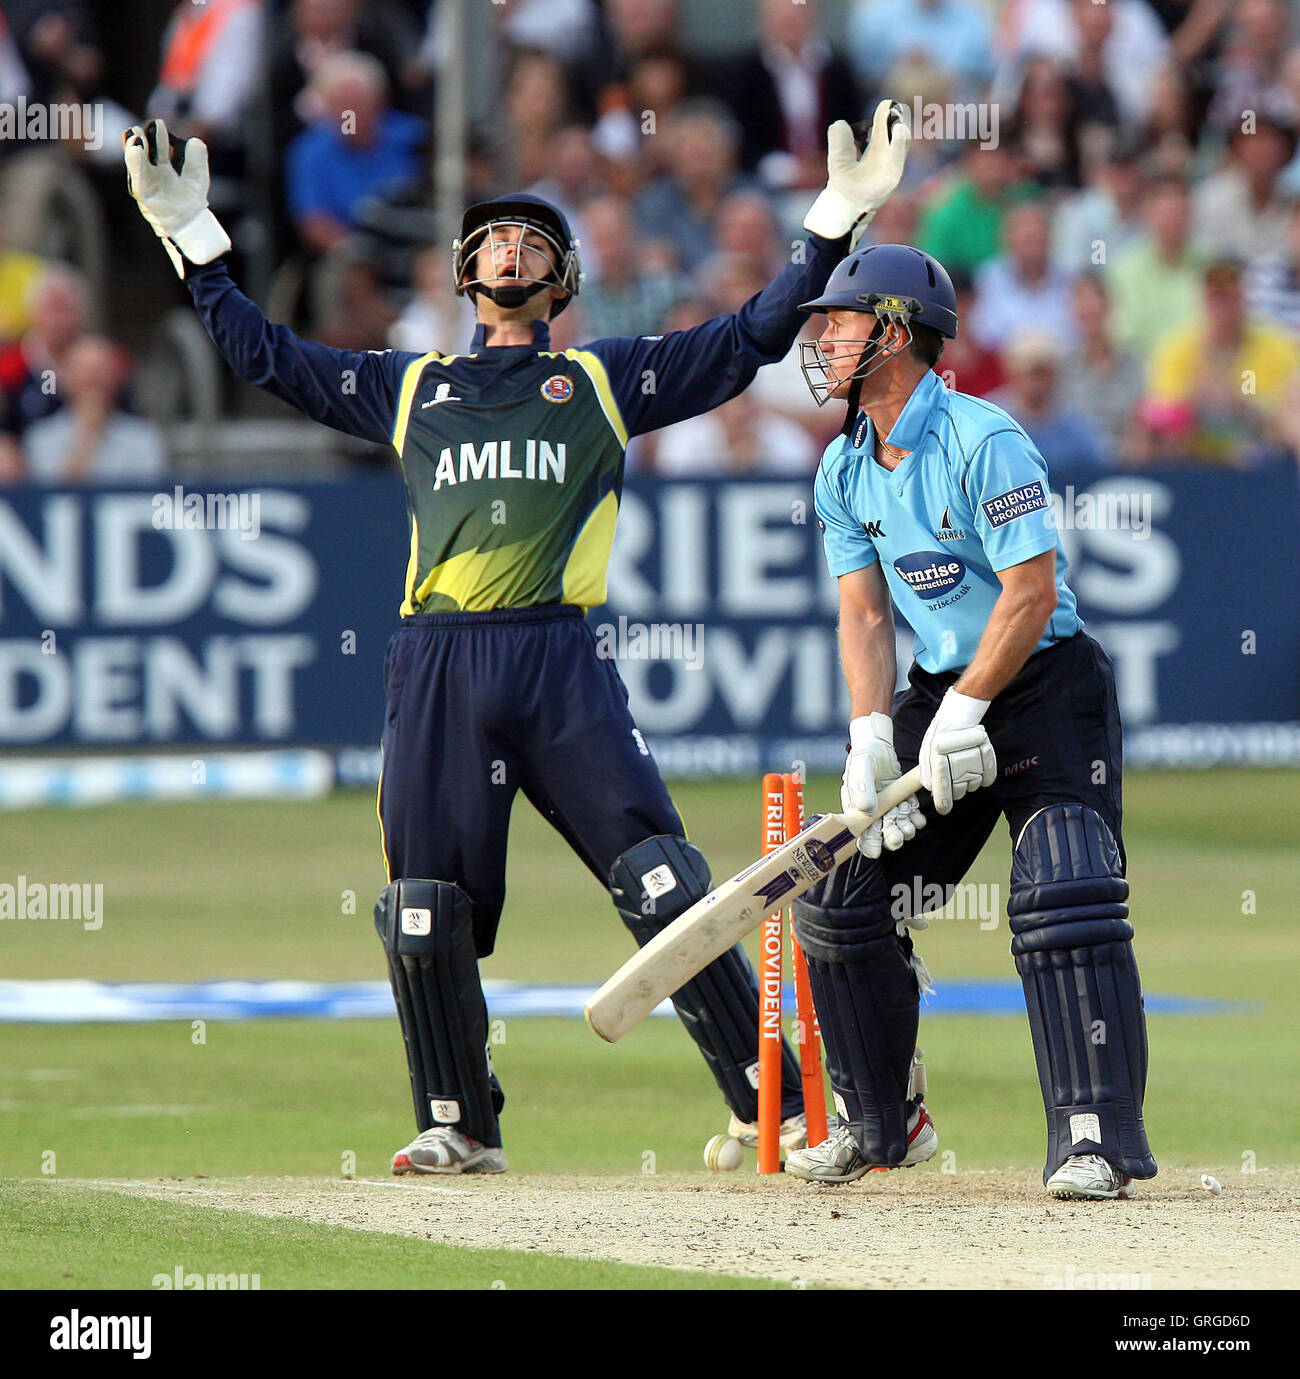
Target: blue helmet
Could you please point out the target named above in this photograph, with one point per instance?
(521, 209)
(895, 283)
(896, 279)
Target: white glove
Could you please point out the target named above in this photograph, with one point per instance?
(174, 203)
(872, 765)
(856, 188)
(956, 755)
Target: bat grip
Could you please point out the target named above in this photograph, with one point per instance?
(891, 795)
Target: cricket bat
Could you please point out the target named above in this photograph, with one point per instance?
(724, 916)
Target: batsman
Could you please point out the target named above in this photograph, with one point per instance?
(940, 503)
(512, 455)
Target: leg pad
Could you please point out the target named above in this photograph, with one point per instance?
(427, 931)
(865, 990)
(652, 884)
(1072, 943)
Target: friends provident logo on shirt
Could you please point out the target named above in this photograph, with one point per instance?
(930, 574)
(1015, 502)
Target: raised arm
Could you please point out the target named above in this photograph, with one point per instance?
(350, 391)
(353, 392)
(657, 380)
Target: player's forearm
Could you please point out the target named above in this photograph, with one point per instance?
(1014, 629)
(765, 328)
(868, 655)
(768, 324)
(660, 380)
(254, 346)
(354, 393)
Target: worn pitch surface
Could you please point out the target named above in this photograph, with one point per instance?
(915, 1230)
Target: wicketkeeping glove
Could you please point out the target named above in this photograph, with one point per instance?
(856, 188)
(170, 184)
(872, 765)
(956, 754)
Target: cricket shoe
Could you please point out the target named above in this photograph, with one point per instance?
(839, 1159)
(922, 1140)
(444, 1150)
(794, 1132)
(1089, 1176)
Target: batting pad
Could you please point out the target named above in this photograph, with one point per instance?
(865, 991)
(428, 934)
(1073, 949)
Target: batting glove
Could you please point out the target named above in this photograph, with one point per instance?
(956, 754)
(856, 188)
(173, 196)
(872, 765)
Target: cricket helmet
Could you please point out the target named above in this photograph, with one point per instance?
(894, 283)
(480, 227)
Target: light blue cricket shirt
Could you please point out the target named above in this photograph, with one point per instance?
(971, 499)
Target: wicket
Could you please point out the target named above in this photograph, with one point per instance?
(782, 818)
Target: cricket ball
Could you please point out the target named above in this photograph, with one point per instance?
(724, 1154)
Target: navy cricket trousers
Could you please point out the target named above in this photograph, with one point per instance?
(1056, 732)
(482, 705)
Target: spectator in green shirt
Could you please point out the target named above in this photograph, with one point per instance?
(1155, 283)
(963, 226)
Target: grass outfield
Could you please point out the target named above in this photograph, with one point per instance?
(285, 890)
(84, 1238)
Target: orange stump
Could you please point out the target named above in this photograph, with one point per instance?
(770, 978)
(808, 1032)
(782, 820)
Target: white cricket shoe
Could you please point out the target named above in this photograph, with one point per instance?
(794, 1132)
(839, 1159)
(444, 1150)
(835, 1160)
(1089, 1176)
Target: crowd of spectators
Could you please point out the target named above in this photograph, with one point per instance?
(1123, 231)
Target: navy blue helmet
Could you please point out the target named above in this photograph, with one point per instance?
(482, 225)
(892, 282)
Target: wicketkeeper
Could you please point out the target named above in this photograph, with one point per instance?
(940, 502)
(513, 460)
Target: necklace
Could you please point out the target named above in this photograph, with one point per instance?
(894, 452)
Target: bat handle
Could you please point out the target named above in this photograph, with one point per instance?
(891, 795)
